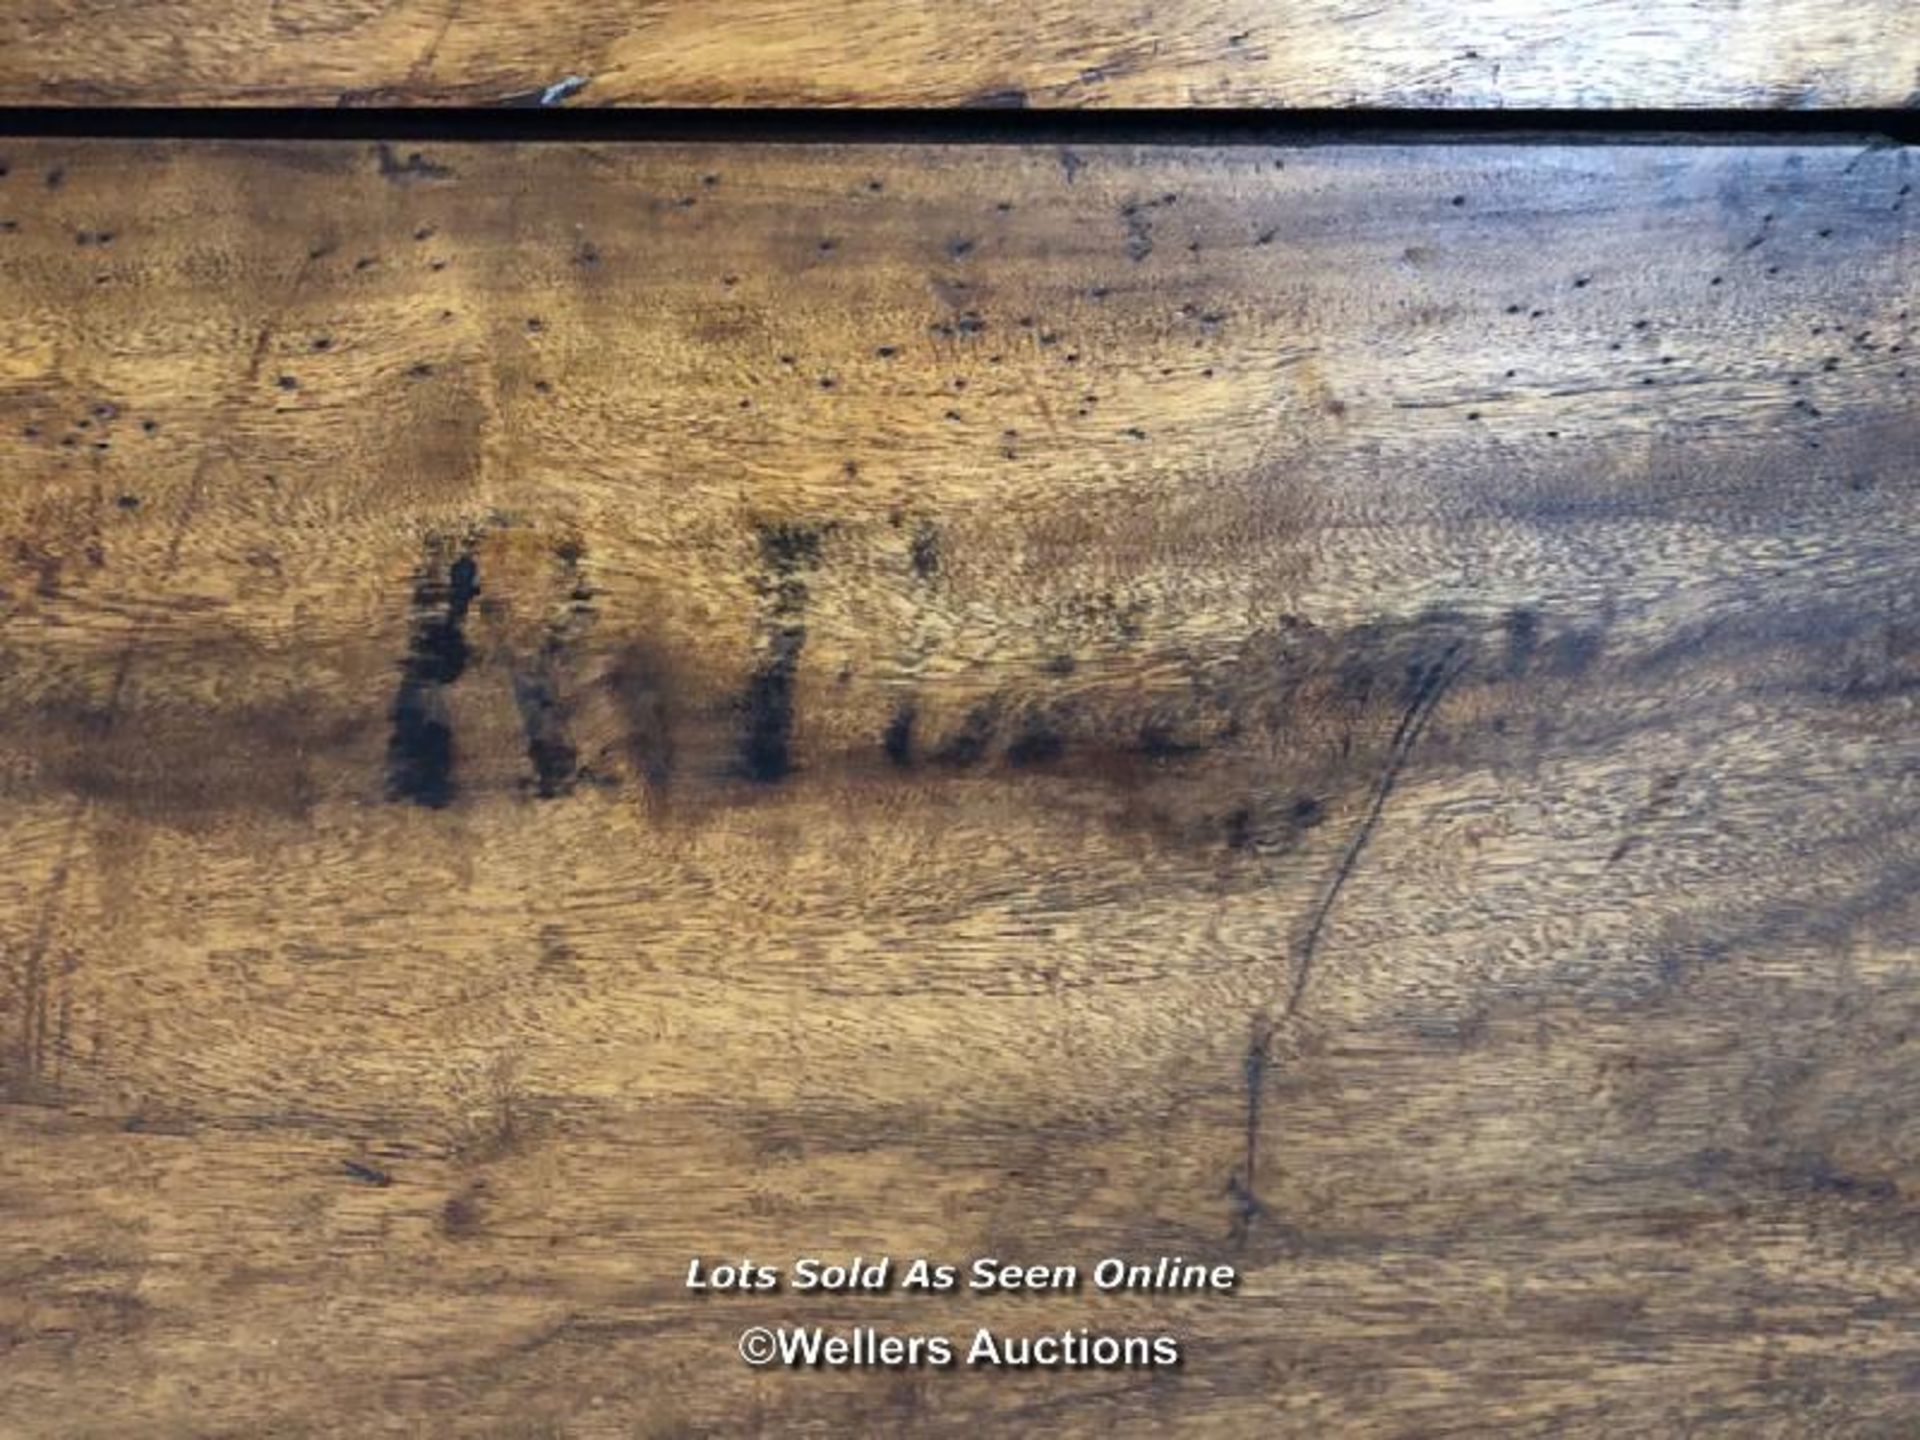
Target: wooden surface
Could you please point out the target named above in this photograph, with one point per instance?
(1349, 712)
(1578, 54)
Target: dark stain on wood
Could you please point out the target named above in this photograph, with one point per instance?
(788, 551)
(420, 750)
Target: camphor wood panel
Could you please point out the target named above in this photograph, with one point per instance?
(1575, 54)
(1346, 711)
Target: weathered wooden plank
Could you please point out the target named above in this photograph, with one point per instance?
(1582, 54)
(1344, 711)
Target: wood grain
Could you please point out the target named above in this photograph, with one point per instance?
(1574, 54)
(1348, 711)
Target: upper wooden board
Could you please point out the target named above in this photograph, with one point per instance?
(1347, 711)
(1281, 54)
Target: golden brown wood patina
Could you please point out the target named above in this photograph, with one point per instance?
(1346, 711)
(1182, 54)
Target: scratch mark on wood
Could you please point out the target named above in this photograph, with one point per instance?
(424, 66)
(1426, 696)
(367, 1174)
(32, 983)
(1439, 675)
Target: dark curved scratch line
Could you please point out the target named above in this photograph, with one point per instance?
(1413, 723)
